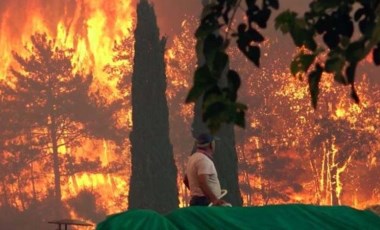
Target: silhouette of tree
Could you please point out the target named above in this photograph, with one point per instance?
(49, 105)
(153, 181)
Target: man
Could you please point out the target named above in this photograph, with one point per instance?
(201, 176)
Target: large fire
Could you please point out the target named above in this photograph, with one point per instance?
(91, 29)
(288, 152)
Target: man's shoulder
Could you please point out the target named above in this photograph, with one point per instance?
(199, 156)
(202, 164)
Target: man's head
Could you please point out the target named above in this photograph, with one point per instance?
(205, 141)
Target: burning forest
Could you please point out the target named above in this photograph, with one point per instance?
(92, 108)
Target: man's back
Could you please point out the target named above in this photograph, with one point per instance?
(199, 164)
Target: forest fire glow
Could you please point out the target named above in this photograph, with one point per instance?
(288, 152)
(90, 29)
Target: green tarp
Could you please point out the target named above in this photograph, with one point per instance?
(290, 216)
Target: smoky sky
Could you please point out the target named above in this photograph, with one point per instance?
(171, 13)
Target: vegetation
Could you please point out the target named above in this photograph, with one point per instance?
(339, 53)
(47, 107)
(288, 152)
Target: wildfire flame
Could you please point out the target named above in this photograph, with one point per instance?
(91, 28)
(280, 114)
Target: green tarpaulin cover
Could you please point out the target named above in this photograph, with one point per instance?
(290, 216)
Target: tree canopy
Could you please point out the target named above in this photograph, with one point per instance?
(333, 37)
(47, 106)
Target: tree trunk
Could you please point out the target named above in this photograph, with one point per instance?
(264, 193)
(246, 176)
(33, 183)
(334, 185)
(57, 174)
(226, 163)
(316, 181)
(21, 195)
(324, 174)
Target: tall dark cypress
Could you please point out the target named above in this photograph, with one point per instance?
(153, 183)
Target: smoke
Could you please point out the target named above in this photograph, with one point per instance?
(17, 14)
(171, 13)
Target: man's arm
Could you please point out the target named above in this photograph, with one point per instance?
(202, 178)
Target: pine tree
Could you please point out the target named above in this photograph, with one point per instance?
(153, 183)
(47, 106)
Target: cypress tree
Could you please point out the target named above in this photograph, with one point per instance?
(153, 183)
